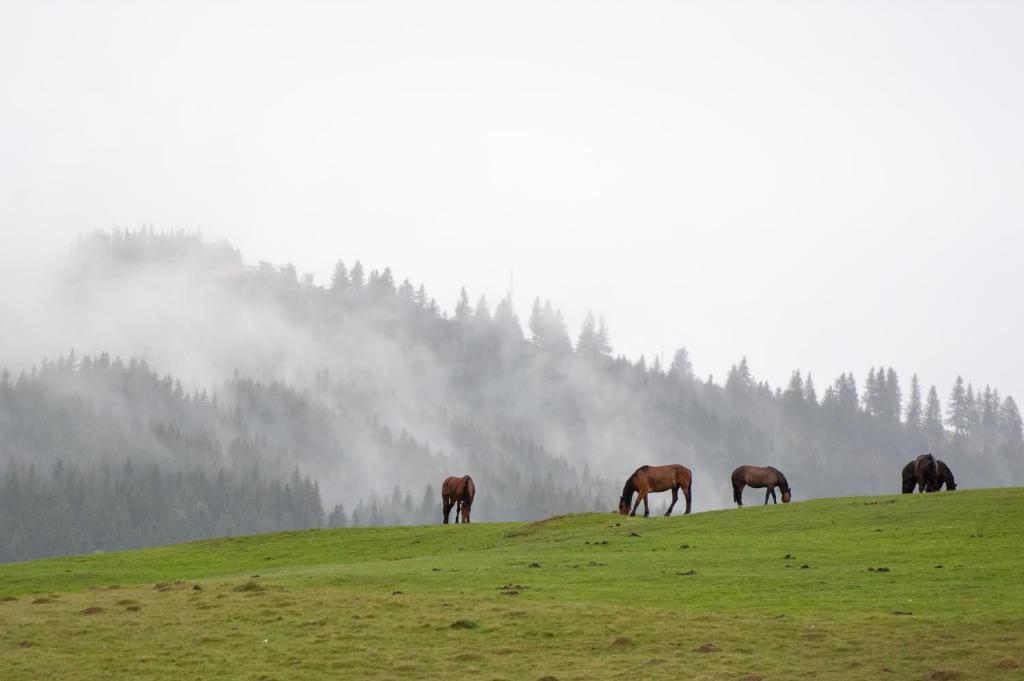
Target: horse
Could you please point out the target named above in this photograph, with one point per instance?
(458, 493)
(945, 477)
(756, 476)
(923, 473)
(647, 479)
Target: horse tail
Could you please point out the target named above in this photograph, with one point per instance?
(467, 485)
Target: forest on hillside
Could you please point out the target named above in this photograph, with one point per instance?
(207, 397)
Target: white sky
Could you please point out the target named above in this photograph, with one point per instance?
(815, 185)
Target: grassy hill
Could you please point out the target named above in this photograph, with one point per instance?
(928, 587)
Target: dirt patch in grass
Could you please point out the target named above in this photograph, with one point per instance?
(706, 648)
(944, 675)
(622, 642)
(94, 610)
(464, 624)
(1008, 663)
(42, 601)
(8, 599)
(248, 587)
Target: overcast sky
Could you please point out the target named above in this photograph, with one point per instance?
(821, 185)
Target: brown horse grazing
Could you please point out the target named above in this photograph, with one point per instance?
(457, 493)
(647, 479)
(923, 473)
(945, 476)
(756, 476)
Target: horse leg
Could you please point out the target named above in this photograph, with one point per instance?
(465, 513)
(647, 509)
(458, 511)
(737, 495)
(675, 498)
(686, 493)
(632, 513)
(446, 510)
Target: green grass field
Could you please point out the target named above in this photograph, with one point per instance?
(783, 592)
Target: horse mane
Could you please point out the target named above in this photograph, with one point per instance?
(785, 483)
(628, 488)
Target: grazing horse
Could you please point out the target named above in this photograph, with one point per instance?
(945, 476)
(457, 493)
(647, 479)
(756, 476)
(923, 473)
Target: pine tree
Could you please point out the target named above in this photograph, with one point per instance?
(739, 381)
(681, 368)
(1010, 419)
(463, 311)
(339, 280)
(604, 343)
(356, 277)
(337, 518)
(933, 413)
(506, 320)
(810, 394)
(794, 394)
(973, 403)
(893, 397)
(406, 293)
(957, 410)
(914, 414)
(587, 343)
(384, 284)
(536, 323)
(871, 392)
(482, 313)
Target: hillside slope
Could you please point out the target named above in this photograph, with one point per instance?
(775, 593)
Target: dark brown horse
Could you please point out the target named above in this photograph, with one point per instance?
(647, 479)
(757, 476)
(922, 473)
(457, 493)
(945, 476)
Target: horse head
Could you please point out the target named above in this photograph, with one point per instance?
(786, 495)
(623, 506)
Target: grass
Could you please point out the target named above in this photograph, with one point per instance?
(784, 592)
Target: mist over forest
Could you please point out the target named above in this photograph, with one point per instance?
(159, 388)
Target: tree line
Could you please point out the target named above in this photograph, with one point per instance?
(404, 393)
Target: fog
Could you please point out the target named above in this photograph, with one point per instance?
(816, 185)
